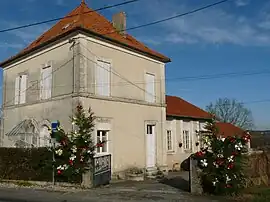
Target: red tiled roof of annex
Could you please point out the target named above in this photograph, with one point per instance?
(176, 106)
(228, 129)
(87, 19)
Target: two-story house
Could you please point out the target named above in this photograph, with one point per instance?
(84, 57)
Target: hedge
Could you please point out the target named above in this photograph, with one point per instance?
(32, 164)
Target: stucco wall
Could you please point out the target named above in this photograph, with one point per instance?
(128, 132)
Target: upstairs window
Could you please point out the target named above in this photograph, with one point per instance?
(103, 78)
(46, 81)
(20, 89)
(150, 88)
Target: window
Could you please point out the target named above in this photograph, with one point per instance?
(102, 136)
(20, 89)
(169, 140)
(44, 136)
(103, 78)
(149, 129)
(46, 81)
(186, 139)
(150, 88)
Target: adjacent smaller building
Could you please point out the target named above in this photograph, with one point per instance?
(183, 121)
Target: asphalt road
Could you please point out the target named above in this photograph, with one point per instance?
(110, 194)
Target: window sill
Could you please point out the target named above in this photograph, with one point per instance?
(171, 152)
(101, 154)
(188, 151)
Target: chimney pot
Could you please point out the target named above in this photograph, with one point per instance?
(119, 22)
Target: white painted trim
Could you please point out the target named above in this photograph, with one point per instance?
(108, 45)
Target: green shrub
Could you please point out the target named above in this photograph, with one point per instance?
(33, 164)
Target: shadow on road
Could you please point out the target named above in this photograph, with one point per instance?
(177, 182)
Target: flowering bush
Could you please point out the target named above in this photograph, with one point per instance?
(221, 162)
(75, 150)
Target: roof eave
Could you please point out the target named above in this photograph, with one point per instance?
(42, 45)
(26, 53)
(188, 117)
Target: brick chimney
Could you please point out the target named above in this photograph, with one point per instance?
(119, 22)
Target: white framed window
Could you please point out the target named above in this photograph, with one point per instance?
(186, 140)
(150, 93)
(20, 89)
(169, 140)
(102, 136)
(103, 78)
(46, 81)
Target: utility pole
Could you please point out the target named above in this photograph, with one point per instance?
(53, 161)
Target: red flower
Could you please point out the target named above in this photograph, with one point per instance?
(199, 154)
(220, 161)
(99, 145)
(234, 153)
(59, 172)
(70, 162)
(246, 137)
(232, 139)
(230, 166)
(228, 186)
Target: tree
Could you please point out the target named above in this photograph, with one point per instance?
(231, 111)
(75, 150)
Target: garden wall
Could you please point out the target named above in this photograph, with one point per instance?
(257, 168)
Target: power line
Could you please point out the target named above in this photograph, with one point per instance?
(56, 19)
(131, 28)
(176, 16)
(177, 79)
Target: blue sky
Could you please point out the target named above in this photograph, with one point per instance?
(231, 37)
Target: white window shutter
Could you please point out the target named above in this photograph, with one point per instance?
(17, 90)
(49, 81)
(23, 88)
(99, 77)
(150, 88)
(41, 88)
(107, 81)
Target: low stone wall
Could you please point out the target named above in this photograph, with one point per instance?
(257, 168)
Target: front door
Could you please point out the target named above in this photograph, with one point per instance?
(150, 146)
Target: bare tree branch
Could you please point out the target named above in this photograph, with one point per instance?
(231, 111)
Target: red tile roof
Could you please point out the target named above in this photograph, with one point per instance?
(228, 129)
(85, 19)
(176, 106)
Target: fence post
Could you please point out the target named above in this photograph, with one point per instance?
(87, 176)
(195, 186)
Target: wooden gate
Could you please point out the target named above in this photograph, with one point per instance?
(101, 170)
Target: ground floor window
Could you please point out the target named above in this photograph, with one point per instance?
(186, 139)
(102, 137)
(169, 140)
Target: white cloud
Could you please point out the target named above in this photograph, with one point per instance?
(214, 25)
(241, 2)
